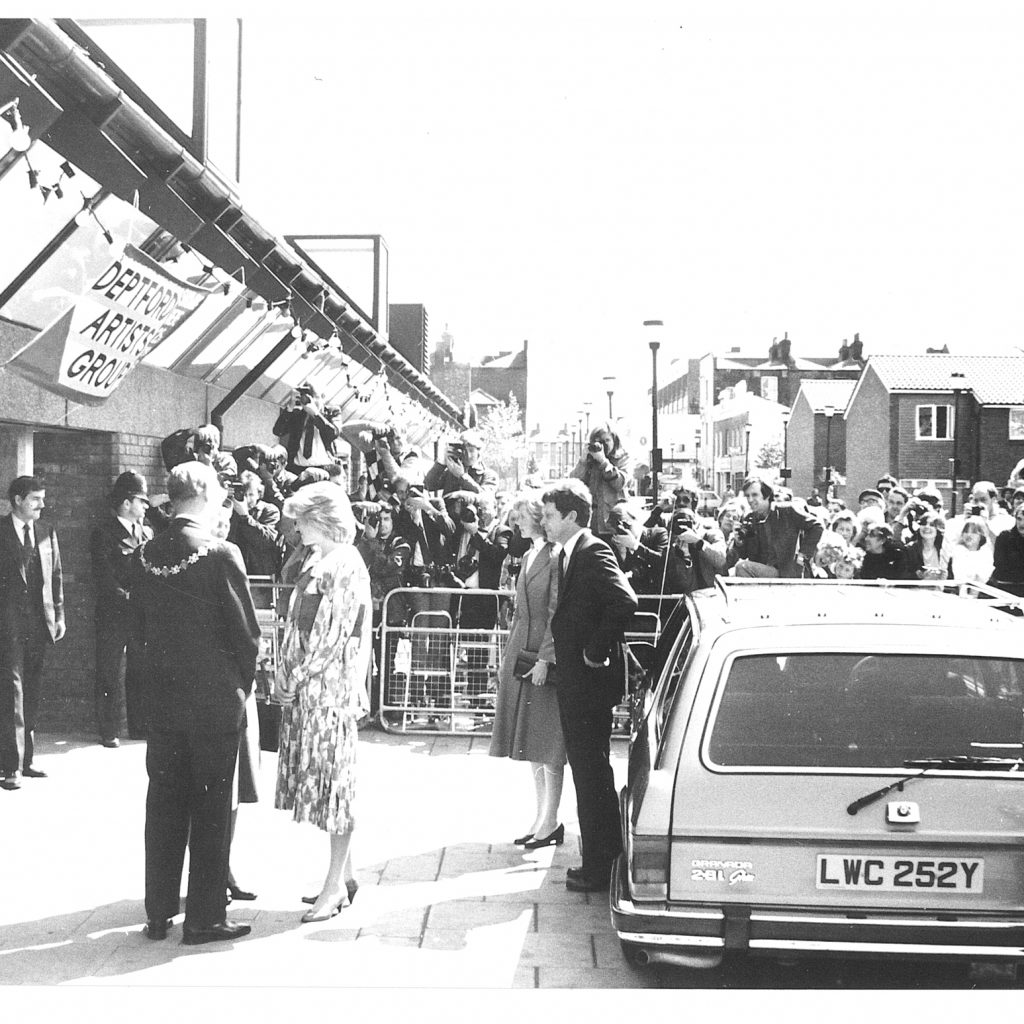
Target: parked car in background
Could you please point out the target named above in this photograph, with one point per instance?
(709, 503)
(829, 768)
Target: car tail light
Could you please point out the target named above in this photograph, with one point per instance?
(648, 867)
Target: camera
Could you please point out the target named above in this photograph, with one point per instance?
(457, 451)
(238, 490)
(468, 514)
(744, 529)
(373, 519)
(595, 446)
(974, 509)
(446, 577)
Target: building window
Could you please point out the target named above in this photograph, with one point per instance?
(934, 422)
(1016, 423)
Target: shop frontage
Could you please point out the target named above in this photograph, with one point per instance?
(138, 297)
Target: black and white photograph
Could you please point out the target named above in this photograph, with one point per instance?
(570, 455)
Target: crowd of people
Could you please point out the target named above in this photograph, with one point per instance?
(767, 532)
(178, 609)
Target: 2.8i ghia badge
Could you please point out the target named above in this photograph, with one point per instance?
(731, 871)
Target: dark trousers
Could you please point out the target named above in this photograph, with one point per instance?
(117, 649)
(21, 671)
(587, 728)
(189, 803)
(476, 611)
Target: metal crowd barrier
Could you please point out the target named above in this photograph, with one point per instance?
(435, 674)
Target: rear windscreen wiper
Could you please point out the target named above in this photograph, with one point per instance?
(931, 764)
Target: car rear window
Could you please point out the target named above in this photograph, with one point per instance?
(864, 710)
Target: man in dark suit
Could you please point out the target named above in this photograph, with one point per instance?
(191, 601)
(112, 546)
(595, 603)
(32, 610)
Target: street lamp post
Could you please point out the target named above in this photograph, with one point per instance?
(573, 448)
(609, 390)
(746, 452)
(586, 409)
(785, 473)
(830, 411)
(954, 463)
(655, 329)
(579, 425)
(698, 469)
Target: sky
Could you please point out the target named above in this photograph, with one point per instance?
(561, 173)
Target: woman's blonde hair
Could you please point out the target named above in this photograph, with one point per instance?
(533, 507)
(975, 524)
(325, 506)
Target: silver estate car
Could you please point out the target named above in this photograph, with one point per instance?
(829, 768)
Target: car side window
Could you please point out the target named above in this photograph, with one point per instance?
(670, 686)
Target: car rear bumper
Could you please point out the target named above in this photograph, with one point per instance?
(703, 933)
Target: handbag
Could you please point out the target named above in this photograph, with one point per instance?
(525, 661)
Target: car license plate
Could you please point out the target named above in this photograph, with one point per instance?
(899, 874)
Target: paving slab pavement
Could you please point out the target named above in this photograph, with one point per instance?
(445, 900)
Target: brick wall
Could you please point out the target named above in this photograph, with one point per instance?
(78, 470)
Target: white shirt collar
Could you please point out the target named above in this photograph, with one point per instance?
(128, 524)
(19, 526)
(570, 545)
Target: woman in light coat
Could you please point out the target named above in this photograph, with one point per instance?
(527, 726)
(605, 470)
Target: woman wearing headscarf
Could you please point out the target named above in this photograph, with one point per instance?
(605, 471)
(321, 676)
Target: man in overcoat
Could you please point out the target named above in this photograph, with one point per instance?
(193, 608)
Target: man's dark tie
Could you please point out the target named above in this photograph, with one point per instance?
(561, 569)
(28, 540)
(307, 437)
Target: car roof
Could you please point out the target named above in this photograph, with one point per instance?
(737, 602)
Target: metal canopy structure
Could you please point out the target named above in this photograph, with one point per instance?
(74, 106)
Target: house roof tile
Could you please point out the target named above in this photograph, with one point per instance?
(994, 380)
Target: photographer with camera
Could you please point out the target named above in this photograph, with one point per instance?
(605, 470)
(386, 554)
(982, 502)
(306, 431)
(641, 553)
(255, 529)
(462, 469)
(479, 554)
(772, 540)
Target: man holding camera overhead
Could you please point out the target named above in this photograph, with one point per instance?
(462, 469)
(306, 431)
(254, 527)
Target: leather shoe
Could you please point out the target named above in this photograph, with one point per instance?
(33, 773)
(112, 743)
(157, 929)
(234, 893)
(522, 840)
(575, 873)
(12, 781)
(556, 838)
(224, 931)
(588, 883)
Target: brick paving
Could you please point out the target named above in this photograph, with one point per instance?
(445, 900)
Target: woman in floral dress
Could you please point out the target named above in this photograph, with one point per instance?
(321, 676)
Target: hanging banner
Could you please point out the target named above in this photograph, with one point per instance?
(127, 310)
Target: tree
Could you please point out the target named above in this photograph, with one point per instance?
(502, 430)
(770, 455)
